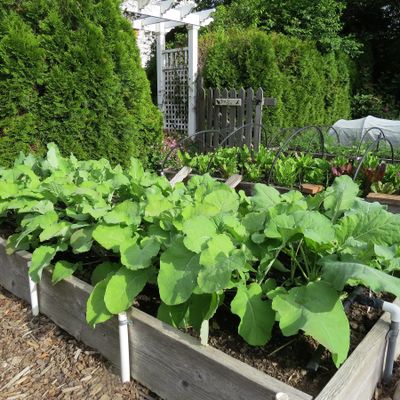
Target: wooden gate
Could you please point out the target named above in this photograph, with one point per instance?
(223, 111)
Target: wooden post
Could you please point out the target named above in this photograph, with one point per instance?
(193, 32)
(258, 118)
(249, 116)
(160, 42)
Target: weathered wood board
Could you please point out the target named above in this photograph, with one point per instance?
(391, 200)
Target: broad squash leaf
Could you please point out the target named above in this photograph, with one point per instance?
(81, 240)
(198, 230)
(41, 258)
(340, 196)
(317, 310)
(265, 196)
(338, 273)
(136, 257)
(112, 236)
(177, 278)
(63, 269)
(123, 287)
(96, 310)
(256, 315)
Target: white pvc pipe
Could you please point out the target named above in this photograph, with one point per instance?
(393, 310)
(204, 332)
(124, 347)
(34, 295)
(282, 396)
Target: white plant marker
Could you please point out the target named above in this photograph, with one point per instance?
(34, 295)
(204, 330)
(124, 347)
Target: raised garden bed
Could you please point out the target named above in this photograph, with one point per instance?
(174, 364)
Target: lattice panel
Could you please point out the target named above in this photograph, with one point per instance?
(176, 89)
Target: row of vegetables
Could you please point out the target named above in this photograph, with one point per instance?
(270, 258)
(294, 167)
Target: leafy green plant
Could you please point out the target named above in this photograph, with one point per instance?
(270, 258)
(294, 167)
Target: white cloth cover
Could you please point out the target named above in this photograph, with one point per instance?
(350, 132)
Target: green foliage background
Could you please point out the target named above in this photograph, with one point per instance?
(311, 87)
(70, 73)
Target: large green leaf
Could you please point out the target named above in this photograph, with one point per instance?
(123, 287)
(373, 225)
(126, 213)
(314, 226)
(265, 196)
(310, 224)
(338, 273)
(81, 240)
(111, 236)
(136, 257)
(58, 229)
(256, 315)
(103, 270)
(96, 310)
(173, 315)
(156, 205)
(340, 196)
(41, 258)
(198, 230)
(217, 264)
(317, 310)
(224, 200)
(216, 275)
(177, 278)
(63, 269)
(198, 308)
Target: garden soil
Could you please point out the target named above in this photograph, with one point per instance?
(38, 360)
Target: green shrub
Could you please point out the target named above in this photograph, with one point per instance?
(310, 87)
(70, 74)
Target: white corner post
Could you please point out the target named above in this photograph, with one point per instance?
(124, 347)
(160, 42)
(33, 289)
(193, 35)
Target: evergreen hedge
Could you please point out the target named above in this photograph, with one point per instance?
(70, 73)
(310, 87)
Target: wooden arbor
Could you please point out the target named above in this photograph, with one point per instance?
(159, 17)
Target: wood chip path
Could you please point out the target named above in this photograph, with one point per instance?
(38, 360)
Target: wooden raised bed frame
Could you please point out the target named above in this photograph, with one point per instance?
(175, 365)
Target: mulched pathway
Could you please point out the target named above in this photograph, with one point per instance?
(38, 360)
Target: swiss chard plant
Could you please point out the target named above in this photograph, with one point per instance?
(270, 258)
(293, 168)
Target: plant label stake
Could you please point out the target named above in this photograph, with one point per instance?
(124, 347)
(33, 290)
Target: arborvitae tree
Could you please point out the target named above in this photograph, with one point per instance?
(70, 73)
(311, 87)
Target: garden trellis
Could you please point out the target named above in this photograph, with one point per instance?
(160, 17)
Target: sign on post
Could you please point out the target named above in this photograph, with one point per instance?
(228, 102)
